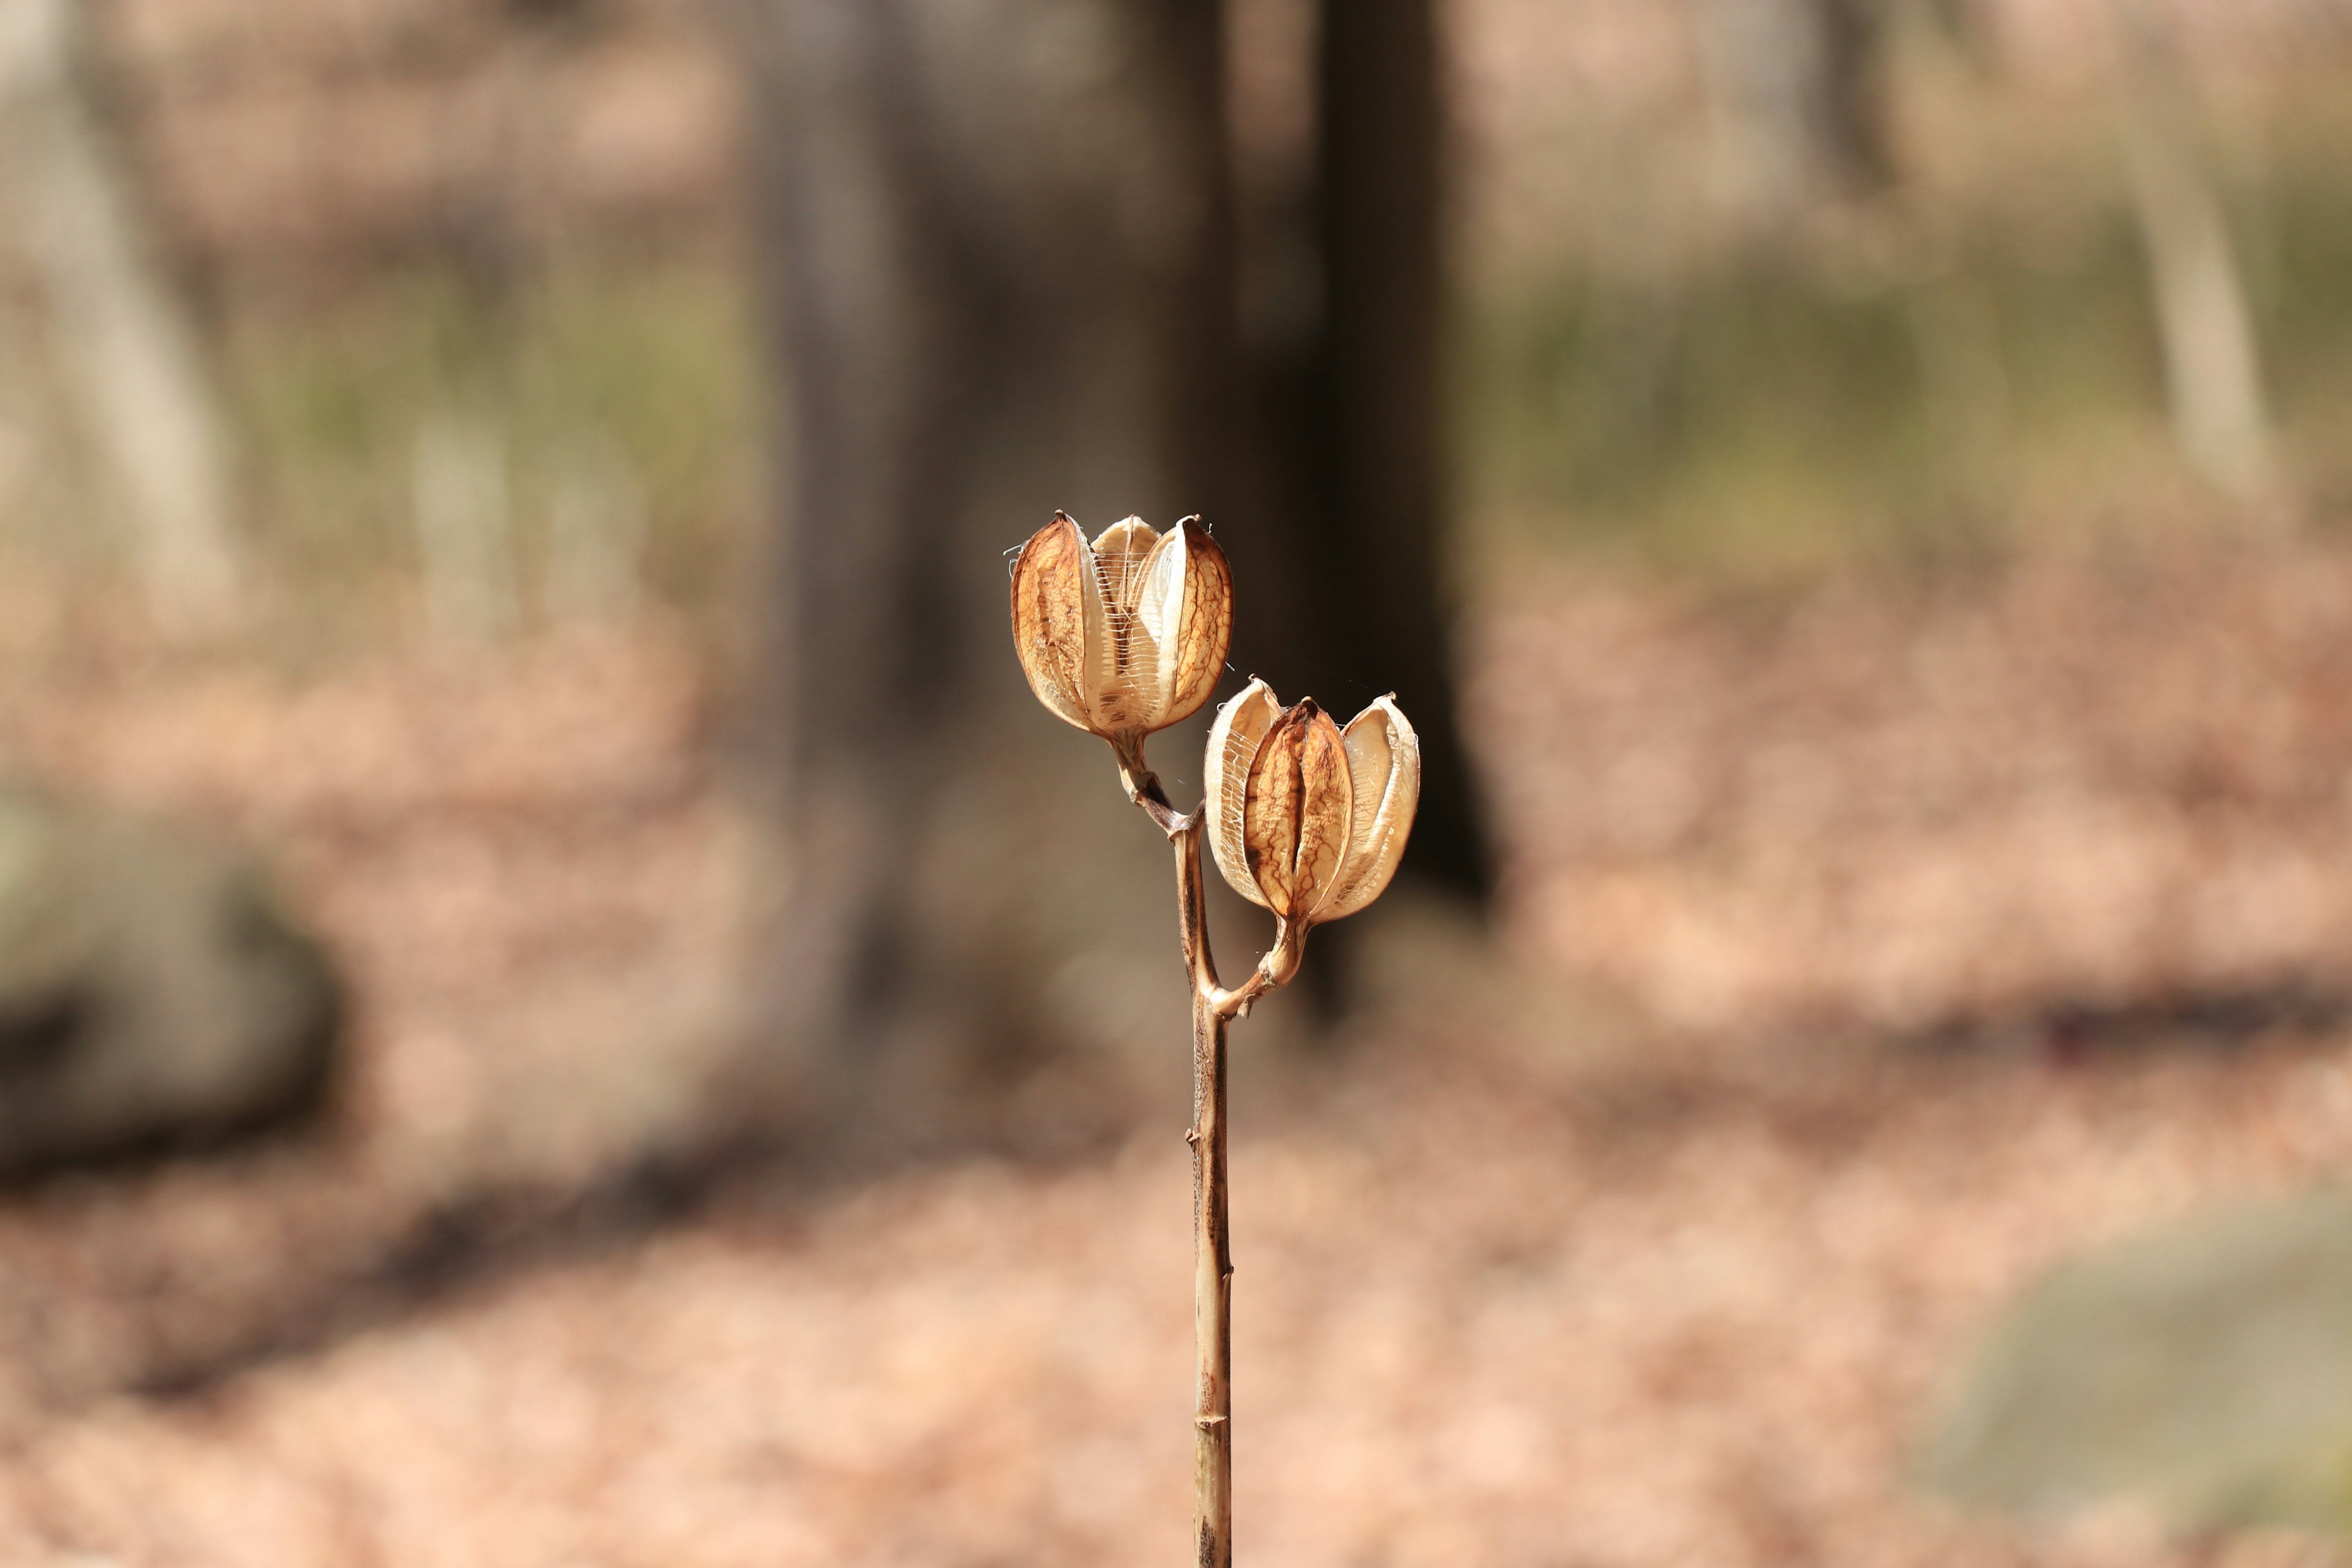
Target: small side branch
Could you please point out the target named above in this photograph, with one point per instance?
(1184, 833)
(1142, 786)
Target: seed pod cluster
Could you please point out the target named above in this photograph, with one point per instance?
(1126, 634)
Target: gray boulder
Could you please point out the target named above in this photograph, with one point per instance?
(2202, 1370)
(151, 992)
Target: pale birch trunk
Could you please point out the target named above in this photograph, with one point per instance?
(2212, 363)
(1795, 89)
(127, 355)
(465, 532)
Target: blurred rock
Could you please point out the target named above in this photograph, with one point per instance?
(2201, 1373)
(150, 992)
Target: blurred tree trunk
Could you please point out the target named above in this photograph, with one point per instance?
(1377, 447)
(997, 272)
(1000, 263)
(1343, 591)
(1797, 89)
(127, 356)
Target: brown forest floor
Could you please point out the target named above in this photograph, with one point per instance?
(1873, 947)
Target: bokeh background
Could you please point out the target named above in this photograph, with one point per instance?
(561, 1004)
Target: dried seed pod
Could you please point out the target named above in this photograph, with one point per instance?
(1384, 775)
(1126, 635)
(1294, 811)
(1304, 817)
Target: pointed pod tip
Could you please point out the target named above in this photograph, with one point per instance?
(1383, 707)
(1205, 546)
(1128, 534)
(1245, 706)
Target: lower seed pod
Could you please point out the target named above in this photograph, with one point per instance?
(1304, 817)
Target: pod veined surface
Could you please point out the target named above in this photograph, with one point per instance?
(1124, 634)
(1303, 818)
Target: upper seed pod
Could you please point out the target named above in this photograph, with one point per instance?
(1307, 818)
(1126, 635)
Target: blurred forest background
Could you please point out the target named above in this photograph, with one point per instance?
(1886, 497)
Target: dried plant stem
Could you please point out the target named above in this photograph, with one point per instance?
(1213, 1290)
(1123, 636)
(1212, 1262)
(1214, 1008)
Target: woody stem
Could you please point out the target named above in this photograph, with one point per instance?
(1212, 1264)
(1214, 1008)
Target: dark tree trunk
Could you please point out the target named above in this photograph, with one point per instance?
(999, 264)
(996, 267)
(1378, 438)
(1343, 593)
